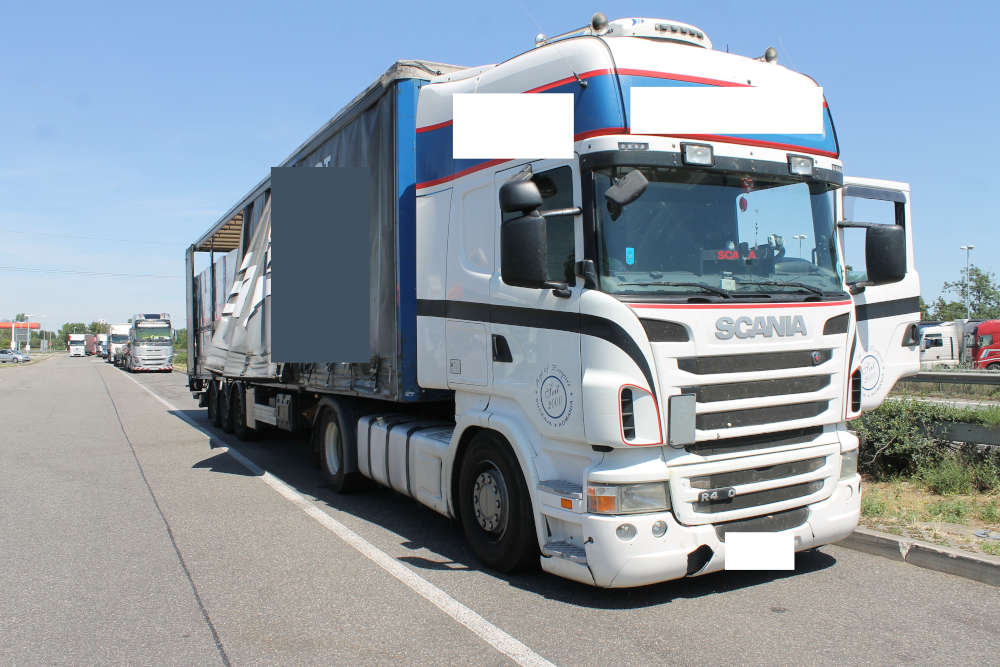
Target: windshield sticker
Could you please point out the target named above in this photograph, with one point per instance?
(630, 256)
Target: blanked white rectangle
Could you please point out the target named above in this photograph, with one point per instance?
(760, 551)
(512, 126)
(726, 110)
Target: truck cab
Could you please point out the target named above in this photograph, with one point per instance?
(150, 346)
(683, 360)
(986, 352)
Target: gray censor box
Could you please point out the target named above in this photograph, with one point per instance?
(320, 264)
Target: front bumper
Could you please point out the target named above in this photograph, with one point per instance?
(643, 560)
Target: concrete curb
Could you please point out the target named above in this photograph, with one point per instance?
(983, 568)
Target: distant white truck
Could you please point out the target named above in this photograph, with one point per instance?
(77, 344)
(117, 343)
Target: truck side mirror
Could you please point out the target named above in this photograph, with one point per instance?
(885, 254)
(523, 240)
(524, 251)
(520, 197)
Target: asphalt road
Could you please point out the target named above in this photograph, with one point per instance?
(127, 534)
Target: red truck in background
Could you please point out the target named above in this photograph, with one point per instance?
(90, 345)
(986, 346)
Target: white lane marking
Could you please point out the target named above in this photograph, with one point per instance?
(491, 634)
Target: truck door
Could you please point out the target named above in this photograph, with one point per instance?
(535, 334)
(887, 343)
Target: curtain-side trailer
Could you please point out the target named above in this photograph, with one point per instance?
(603, 364)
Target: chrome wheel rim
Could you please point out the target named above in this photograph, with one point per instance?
(331, 440)
(489, 500)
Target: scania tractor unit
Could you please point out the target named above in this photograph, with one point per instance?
(605, 363)
(117, 343)
(150, 343)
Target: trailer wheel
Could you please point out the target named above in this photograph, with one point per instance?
(238, 412)
(495, 506)
(331, 437)
(211, 400)
(225, 409)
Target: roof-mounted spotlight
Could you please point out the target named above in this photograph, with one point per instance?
(599, 23)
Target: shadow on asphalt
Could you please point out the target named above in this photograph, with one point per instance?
(288, 457)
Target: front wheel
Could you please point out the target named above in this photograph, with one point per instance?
(495, 506)
(993, 367)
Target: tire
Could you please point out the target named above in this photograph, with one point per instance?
(495, 506)
(993, 367)
(333, 435)
(212, 402)
(238, 412)
(225, 410)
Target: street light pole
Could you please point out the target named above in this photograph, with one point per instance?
(968, 249)
(799, 237)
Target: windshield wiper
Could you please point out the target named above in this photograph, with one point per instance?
(783, 283)
(707, 288)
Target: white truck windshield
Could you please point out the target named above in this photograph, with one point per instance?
(724, 234)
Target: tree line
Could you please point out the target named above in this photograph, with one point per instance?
(983, 294)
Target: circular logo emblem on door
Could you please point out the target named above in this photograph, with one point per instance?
(871, 372)
(553, 396)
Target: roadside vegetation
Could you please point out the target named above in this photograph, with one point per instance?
(922, 486)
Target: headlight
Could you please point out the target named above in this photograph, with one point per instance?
(849, 464)
(627, 498)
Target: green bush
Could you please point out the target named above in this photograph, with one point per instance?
(949, 477)
(897, 441)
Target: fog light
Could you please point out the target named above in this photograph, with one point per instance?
(659, 529)
(697, 154)
(626, 531)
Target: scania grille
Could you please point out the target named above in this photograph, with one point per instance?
(757, 416)
(763, 361)
(731, 391)
(753, 486)
(760, 389)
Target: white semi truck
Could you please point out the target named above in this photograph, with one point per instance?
(77, 344)
(150, 343)
(117, 343)
(603, 364)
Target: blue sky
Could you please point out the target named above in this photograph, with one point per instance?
(126, 130)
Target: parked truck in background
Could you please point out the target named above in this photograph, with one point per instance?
(150, 343)
(603, 364)
(92, 345)
(986, 345)
(102, 345)
(117, 342)
(77, 344)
